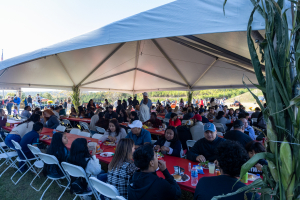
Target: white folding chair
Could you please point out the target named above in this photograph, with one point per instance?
(100, 130)
(97, 136)
(67, 122)
(219, 127)
(2, 144)
(85, 126)
(77, 171)
(219, 133)
(85, 134)
(38, 164)
(190, 143)
(105, 189)
(75, 131)
(8, 156)
(26, 162)
(61, 128)
(153, 141)
(52, 160)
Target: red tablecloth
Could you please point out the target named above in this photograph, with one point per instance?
(77, 119)
(171, 161)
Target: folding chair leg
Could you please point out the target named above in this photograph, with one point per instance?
(29, 168)
(46, 190)
(66, 187)
(12, 164)
(41, 185)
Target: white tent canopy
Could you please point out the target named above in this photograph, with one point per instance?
(183, 45)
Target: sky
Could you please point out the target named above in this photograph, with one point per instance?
(33, 24)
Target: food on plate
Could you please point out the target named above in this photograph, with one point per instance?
(204, 164)
(250, 176)
(105, 155)
(177, 177)
(184, 177)
(109, 143)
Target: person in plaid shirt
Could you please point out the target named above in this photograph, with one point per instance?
(121, 168)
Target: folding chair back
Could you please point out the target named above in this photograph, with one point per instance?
(75, 131)
(100, 130)
(85, 134)
(85, 126)
(104, 188)
(120, 198)
(61, 128)
(219, 127)
(49, 159)
(97, 136)
(190, 143)
(17, 145)
(67, 122)
(33, 149)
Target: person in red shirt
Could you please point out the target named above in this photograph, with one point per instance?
(153, 121)
(174, 121)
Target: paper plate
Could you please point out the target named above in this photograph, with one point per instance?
(109, 154)
(182, 180)
(254, 177)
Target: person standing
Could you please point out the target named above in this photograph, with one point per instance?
(135, 102)
(146, 101)
(17, 102)
(65, 104)
(129, 101)
(38, 99)
(25, 102)
(29, 100)
(9, 106)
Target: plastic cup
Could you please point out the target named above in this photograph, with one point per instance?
(211, 168)
(244, 179)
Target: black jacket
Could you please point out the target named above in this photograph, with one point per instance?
(205, 148)
(238, 136)
(111, 116)
(148, 186)
(176, 146)
(134, 103)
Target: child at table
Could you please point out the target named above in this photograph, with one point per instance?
(58, 149)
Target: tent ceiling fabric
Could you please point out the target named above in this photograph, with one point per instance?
(186, 44)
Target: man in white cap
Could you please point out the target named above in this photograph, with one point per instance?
(139, 135)
(146, 101)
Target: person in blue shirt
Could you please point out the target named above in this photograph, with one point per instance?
(25, 102)
(138, 135)
(9, 106)
(32, 138)
(17, 101)
(248, 128)
(148, 101)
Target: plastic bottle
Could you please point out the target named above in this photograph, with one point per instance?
(194, 176)
(190, 167)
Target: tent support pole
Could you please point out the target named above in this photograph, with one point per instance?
(102, 62)
(170, 61)
(210, 66)
(137, 54)
(186, 44)
(62, 64)
(3, 72)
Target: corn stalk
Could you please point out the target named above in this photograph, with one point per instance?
(189, 94)
(75, 97)
(279, 50)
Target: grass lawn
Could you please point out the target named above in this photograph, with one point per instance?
(23, 191)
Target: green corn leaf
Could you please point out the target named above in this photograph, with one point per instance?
(225, 1)
(256, 98)
(251, 162)
(286, 157)
(256, 184)
(273, 170)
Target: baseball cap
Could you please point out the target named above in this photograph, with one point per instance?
(145, 94)
(136, 124)
(197, 117)
(238, 123)
(209, 127)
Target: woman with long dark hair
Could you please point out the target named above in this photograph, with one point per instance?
(102, 122)
(81, 112)
(18, 132)
(80, 156)
(114, 132)
(58, 149)
(91, 105)
(124, 104)
(121, 168)
(122, 117)
(170, 144)
(73, 112)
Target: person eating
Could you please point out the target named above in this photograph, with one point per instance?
(114, 132)
(170, 144)
(174, 121)
(204, 149)
(153, 121)
(111, 114)
(139, 135)
(230, 156)
(145, 184)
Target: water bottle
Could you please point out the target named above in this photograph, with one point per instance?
(194, 176)
(190, 167)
